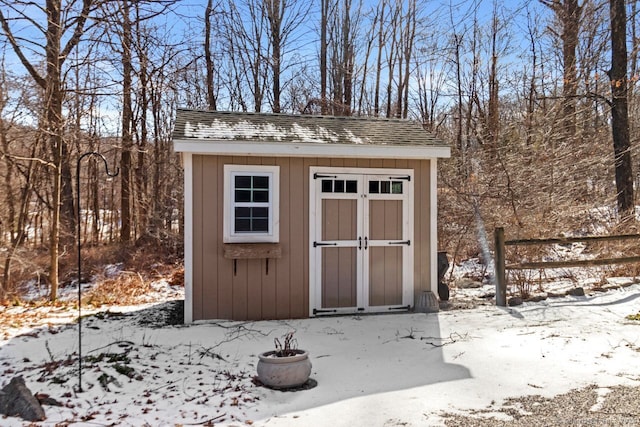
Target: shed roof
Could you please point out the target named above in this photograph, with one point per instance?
(226, 132)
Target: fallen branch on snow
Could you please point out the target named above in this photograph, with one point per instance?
(453, 337)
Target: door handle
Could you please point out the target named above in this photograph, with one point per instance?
(359, 243)
(366, 243)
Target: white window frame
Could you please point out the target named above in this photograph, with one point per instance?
(273, 233)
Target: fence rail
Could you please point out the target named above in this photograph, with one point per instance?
(501, 266)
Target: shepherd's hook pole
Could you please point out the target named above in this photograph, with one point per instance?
(106, 168)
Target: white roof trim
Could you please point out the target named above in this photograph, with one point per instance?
(261, 149)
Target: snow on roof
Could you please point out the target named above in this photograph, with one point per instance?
(241, 130)
(274, 128)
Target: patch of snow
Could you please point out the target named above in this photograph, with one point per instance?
(242, 130)
(316, 135)
(353, 138)
(112, 270)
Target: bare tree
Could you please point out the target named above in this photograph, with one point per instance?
(285, 17)
(245, 29)
(324, 22)
(64, 21)
(127, 122)
(208, 55)
(532, 89)
(342, 30)
(382, 36)
(619, 106)
(569, 14)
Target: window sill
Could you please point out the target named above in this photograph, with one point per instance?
(252, 250)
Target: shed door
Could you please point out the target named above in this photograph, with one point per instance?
(361, 242)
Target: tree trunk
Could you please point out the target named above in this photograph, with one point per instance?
(324, 12)
(571, 26)
(619, 107)
(274, 14)
(53, 100)
(493, 119)
(381, 37)
(211, 95)
(127, 116)
(141, 177)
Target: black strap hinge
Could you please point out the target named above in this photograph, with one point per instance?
(319, 175)
(404, 307)
(316, 311)
(316, 244)
(405, 242)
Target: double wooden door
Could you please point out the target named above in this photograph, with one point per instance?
(361, 241)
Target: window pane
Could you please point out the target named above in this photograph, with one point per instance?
(243, 181)
(396, 187)
(327, 186)
(339, 186)
(260, 212)
(374, 187)
(243, 196)
(352, 186)
(261, 182)
(385, 187)
(260, 225)
(242, 225)
(261, 196)
(243, 212)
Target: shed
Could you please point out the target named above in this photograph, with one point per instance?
(291, 216)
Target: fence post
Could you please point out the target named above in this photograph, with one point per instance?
(501, 282)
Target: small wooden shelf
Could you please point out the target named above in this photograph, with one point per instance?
(252, 250)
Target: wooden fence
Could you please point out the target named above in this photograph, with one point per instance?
(501, 266)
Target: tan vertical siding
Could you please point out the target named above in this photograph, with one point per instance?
(350, 163)
(239, 286)
(198, 252)
(298, 248)
(281, 303)
(422, 224)
(417, 225)
(257, 285)
(210, 235)
(300, 296)
(223, 281)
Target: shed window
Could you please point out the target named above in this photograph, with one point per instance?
(251, 203)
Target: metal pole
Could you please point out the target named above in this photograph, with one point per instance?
(106, 167)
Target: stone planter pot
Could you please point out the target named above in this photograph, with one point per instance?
(284, 372)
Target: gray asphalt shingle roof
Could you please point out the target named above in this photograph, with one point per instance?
(268, 127)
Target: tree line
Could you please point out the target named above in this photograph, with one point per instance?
(532, 95)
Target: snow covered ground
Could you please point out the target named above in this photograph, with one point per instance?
(382, 370)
